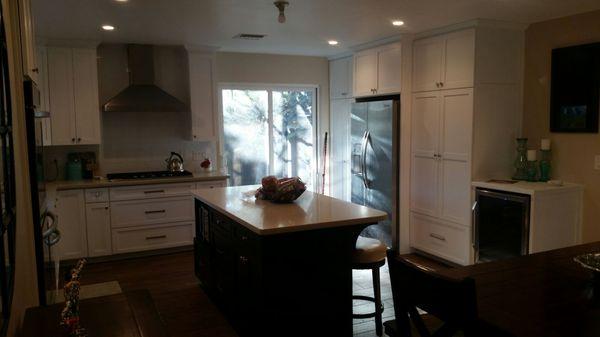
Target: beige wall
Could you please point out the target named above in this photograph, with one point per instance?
(280, 69)
(573, 154)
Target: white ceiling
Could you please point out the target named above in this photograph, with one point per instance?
(310, 23)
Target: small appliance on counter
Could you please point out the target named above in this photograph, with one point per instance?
(175, 162)
(74, 168)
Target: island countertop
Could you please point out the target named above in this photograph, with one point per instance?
(310, 211)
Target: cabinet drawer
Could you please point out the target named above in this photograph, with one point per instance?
(96, 195)
(136, 239)
(211, 184)
(447, 241)
(153, 211)
(150, 191)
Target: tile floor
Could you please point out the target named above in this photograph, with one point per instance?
(363, 285)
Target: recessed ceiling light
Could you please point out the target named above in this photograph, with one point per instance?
(398, 23)
(108, 27)
(121, 0)
(332, 42)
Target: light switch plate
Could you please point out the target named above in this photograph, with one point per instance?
(597, 162)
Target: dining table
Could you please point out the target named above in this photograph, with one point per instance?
(546, 294)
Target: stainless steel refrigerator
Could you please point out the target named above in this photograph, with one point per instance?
(375, 152)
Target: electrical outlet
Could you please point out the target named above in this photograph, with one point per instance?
(597, 162)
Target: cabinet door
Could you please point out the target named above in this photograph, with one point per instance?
(389, 68)
(87, 106)
(425, 145)
(340, 78)
(459, 60)
(42, 61)
(202, 96)
(70, 209)
(30, 66)
(427, 63)
(340, 148)
(60, 89)
(365, 73)
(98, 229)
(457, 126)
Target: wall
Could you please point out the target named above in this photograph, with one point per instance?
(573, 154)
(280, 69)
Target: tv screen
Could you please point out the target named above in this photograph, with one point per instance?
(575, 89)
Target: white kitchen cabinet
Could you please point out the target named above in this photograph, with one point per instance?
(377, 71)
(42, 83)
(73, 94)
(202, 95)
(98, 229)
(462, 128)
(340, 112)
(30, 66)
(340, 78)
(70, 210)
(444, 62)
(211, 184)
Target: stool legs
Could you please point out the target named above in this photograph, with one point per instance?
(378, 305)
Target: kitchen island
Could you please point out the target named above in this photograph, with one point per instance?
(279, 269)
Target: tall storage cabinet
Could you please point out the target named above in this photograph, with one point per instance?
(73, 95)
(465, 117)
(202, 95)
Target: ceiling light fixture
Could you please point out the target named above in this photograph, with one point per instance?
(398, 23)
(121, 0)
(281, 7)
(332, 42)
(108, 27)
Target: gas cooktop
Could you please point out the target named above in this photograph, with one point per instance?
(148, 175)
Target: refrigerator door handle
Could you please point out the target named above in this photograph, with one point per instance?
(475, 230)
(365, 142)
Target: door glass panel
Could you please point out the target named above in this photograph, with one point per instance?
(246, 135)
(293, 148)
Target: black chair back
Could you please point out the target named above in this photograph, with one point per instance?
(453, 301)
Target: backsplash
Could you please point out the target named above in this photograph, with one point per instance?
(135, 141)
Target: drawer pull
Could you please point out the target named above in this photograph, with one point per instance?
(155, 212)
(154, 191)
(156, 237)
(438, 237)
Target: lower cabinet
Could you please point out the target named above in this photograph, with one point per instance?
(70, 209)
(97, 216)
(447, 240)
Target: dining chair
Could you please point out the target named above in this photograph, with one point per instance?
(415, 286)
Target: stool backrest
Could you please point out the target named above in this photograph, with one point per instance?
(416, 286)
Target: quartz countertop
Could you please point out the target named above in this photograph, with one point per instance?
(98, 183)
(309, 211)
(526, 187)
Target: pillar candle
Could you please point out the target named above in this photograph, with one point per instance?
(545, 144)
(531, 154)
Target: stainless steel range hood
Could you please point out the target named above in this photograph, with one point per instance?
(143, 94)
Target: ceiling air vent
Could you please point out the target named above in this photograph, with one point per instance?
(244, 36)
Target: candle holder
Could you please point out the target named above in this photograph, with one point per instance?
(532, 170)
(545, 165)
(521, 169)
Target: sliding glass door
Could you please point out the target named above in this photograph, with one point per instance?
(269, 131)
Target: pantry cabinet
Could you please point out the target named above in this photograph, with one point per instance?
(73, 95)
(202, 95)
(377, 71)
(464, 119)
(444, 62)
(70, 210)
(340, 78)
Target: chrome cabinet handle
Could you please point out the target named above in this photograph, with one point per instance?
(154, 191)
(155, 212)
(437, 237)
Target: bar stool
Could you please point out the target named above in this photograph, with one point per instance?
(370, 254)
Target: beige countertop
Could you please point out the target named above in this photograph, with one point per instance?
(310, 211)
(526, 187)
(98, 183)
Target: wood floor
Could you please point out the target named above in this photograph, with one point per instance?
(186, 309)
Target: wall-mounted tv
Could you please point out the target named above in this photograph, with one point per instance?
(575, 89)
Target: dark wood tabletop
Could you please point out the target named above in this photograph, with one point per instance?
(544, 294)
(131, 314)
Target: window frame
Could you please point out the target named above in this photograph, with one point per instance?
(270, 88)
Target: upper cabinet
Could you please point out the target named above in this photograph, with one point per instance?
(444, 62)
(30, 66)
(340, 78)
(73, 94)
(202, 95)
(377, 71)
